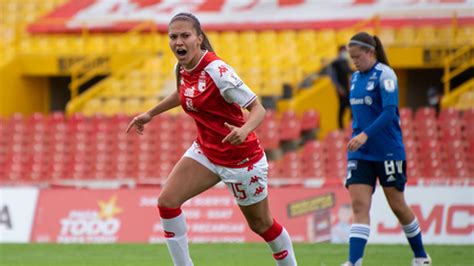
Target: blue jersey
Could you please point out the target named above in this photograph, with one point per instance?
(370, 92)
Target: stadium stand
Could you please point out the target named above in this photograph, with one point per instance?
(90, 144)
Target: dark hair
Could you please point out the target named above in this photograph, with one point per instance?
(205, 45)
(370, 41)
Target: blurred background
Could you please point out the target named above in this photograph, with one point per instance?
(73, 73)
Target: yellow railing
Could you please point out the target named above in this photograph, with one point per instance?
(456, 64)
(93, 65)
(76, 104)
(452, 99)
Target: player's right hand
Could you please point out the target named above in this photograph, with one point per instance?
(139, 123)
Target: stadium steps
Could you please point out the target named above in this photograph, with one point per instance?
(461, 98)
(457, 65)
(133, 89)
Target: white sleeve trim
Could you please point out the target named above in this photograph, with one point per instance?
(231, 87)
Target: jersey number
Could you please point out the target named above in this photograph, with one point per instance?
(390, 167)
(238, 192)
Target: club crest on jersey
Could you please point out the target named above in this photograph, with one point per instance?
(370, 86)
(202, 81)
(201, 85)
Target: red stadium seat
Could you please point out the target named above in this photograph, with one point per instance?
(290, 165)
(274, 169)
(310, 120)
(289, 130)
(406, 112)
(268, 132)
(424, 113)
(451, 129)
(468, 116)
(448, 114)
(289, 126)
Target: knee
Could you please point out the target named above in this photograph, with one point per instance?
(400, 209)
(360, 207)
(260, 225)
(168, 202)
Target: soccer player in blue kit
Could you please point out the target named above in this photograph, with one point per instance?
(376, 148)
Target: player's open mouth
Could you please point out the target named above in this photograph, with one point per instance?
(181, 52)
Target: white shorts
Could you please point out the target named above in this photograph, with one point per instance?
(247, 184)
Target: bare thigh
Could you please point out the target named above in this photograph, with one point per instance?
(361, 197)
(187, 179)
(258, 216)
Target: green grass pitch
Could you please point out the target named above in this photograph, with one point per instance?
(218, 255)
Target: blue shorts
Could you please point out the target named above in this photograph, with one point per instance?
(390, 173)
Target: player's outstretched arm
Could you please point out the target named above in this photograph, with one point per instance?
(139, 121)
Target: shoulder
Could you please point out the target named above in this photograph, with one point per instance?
(385, 72)
(223, 74)
(217, 65)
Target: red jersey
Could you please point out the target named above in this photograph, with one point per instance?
(212, 94)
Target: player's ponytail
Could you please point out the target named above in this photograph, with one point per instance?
(381, 56)
(368, 42)
(205, 45)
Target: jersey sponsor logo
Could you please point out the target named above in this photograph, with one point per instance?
(356, 101)
(391, 178)
(370, 86)
(190, 105)
(368, 100)
(389, 85)
(222, 69)
(189, 92)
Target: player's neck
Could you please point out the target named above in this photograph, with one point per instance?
(195, 61)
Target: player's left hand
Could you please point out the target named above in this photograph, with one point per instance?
(236, 136)
(357, 141)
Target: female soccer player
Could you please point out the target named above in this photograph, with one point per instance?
(376, 148)
(226, 148)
